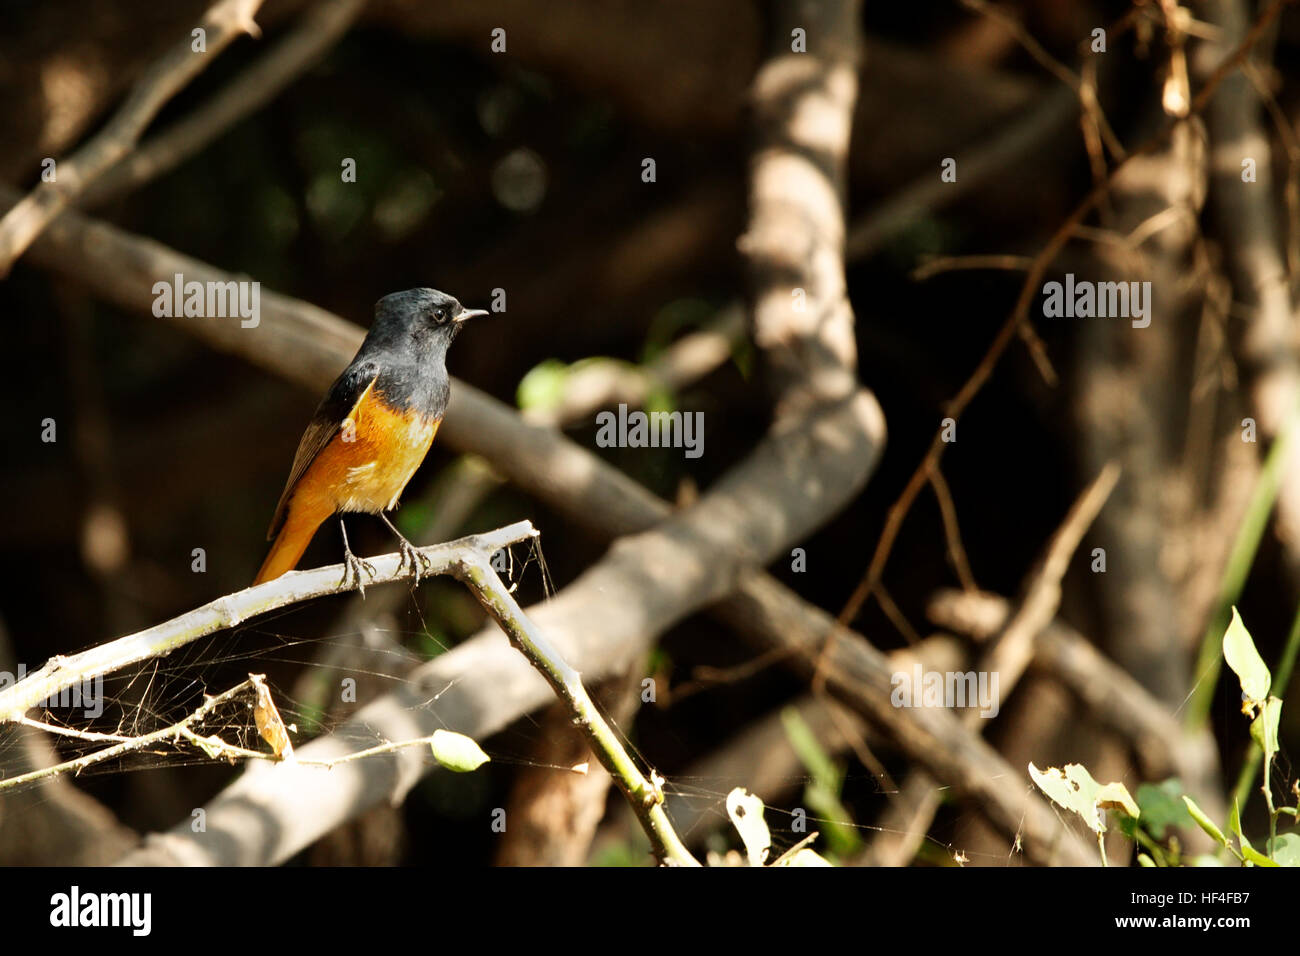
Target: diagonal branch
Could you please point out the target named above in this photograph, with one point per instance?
(222, 24)
(319, 28)
(1008, 656)
(160, 640)
(468, 560)
(646, 797)
(1107, 692)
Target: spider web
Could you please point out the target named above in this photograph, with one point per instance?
(381, 641)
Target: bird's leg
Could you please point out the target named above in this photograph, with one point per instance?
(419, 560)
(352, 565)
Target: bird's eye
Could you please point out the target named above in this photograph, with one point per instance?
(440, 314)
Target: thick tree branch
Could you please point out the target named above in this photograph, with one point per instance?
(803, 107)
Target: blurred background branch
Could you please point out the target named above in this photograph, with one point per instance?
(841, 198)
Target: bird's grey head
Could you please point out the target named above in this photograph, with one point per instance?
(422, 317)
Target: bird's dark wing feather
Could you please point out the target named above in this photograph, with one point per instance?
(337, 405)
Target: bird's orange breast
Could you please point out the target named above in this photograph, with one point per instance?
(367, 464)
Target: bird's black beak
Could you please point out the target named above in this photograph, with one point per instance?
(464, 315)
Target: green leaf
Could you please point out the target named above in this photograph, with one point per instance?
(744, 354)
(1285, 849)
(1144, 860)
(310, 716)
(1204, 822)
(619, 854)
(457, 752)
(1254, 856)
(1263, 729)
(671, 318)
(823, 791)
(1128, 826)
(746, 812)
(1162, 806)
(1239, 651)
(660, 399)
(542, 387)
(1234, 824)
(1076, 790)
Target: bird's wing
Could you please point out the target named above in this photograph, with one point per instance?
(339, 403)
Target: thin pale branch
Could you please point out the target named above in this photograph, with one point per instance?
(130, 745)
(646, 797)
(468, 559)
(160, 640)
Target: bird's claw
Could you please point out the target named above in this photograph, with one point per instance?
(352, 568)
(418, 559)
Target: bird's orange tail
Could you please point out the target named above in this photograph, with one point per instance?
(299, 528)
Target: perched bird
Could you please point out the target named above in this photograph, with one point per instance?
(373, 428)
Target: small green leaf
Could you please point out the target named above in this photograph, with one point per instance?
(1285, 849)
(1204, 822)
(1128, 826)
(1144, 860)
(1239, 651)
(1263, 729)
(542, 387)
(822, 792)
(1234, 824)
(746, 812)
(309, 717)
(457, 752)
(660, 399)
(1254, 856)
(623, 854)
(1162, 806)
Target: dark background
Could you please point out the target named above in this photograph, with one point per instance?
(184, 447)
